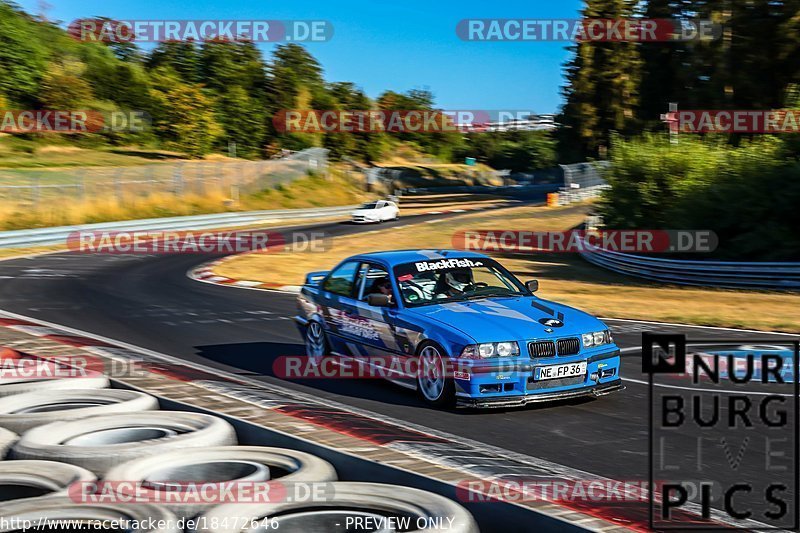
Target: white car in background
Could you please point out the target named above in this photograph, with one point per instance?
(376, 211)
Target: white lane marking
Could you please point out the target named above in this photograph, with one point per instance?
(700, 389)
(537, 462)
(696, 326)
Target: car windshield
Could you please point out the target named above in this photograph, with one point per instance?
(453, 280)
(369, 205)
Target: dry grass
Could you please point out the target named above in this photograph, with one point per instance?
(311, 191)
(564, 277)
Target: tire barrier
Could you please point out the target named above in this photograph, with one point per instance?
(7, 439)
(256, 464)
(99, 443)
(391, 505)
(22, 412)
(20, 374)
(20, 480)
(62, 508)
(9, 387)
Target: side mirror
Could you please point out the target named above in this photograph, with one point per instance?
(378, 300)
(533, 285)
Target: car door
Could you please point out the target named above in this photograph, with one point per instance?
(387, 345)
(379, 211)
(338, 301)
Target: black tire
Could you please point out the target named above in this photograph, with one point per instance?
(21, 412)
(443, 394)
(315, 332)
(22, 480)
(98, 443)
(140, 516)
(223, 463)
(7, 439)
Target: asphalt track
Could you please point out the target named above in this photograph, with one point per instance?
(149, 301)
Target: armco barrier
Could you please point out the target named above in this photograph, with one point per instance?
(56, 235)
(702, 273)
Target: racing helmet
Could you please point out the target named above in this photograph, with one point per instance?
(458, 279)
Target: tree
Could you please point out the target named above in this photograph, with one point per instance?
(23, 57)
(601, 95)
(184, 117)
(243, 121)
(63, 88)
(181, 56)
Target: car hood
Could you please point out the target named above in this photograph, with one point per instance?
(514, 318)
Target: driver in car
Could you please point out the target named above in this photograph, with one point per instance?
(454, 282)
(383, 286)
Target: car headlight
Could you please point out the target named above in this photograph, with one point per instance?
(596, 338)
(490, 349)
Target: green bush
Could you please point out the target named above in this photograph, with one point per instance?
(747, 194)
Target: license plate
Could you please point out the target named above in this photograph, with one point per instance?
(568, 370)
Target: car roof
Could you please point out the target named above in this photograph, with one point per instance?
(399, 257)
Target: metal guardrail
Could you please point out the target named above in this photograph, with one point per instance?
(56, 235)
(701, 273)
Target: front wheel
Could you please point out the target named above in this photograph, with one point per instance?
(433, 384)
(316, 345)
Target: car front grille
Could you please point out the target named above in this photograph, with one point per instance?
(570, 346)
(542, 349)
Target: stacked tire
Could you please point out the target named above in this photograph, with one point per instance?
(88, 452)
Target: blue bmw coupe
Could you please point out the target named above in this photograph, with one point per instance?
(457, 327)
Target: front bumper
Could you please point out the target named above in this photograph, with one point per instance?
(359, 219)
(595, 391)
(488, 383)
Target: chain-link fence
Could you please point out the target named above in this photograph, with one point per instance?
(41, 187)
(582, 181)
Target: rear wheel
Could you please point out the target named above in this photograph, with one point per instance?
(433, 384)
(316, 345)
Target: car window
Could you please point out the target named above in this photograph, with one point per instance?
(376, 278)
(369, 205)
(456, 279)
(381, 204)
(341, 280)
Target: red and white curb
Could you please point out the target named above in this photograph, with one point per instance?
(205, 274)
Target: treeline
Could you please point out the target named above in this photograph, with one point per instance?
(746, 188)
(624, 87)
(201, 97)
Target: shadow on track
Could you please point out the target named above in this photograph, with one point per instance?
(262, 359)
(258, 359)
